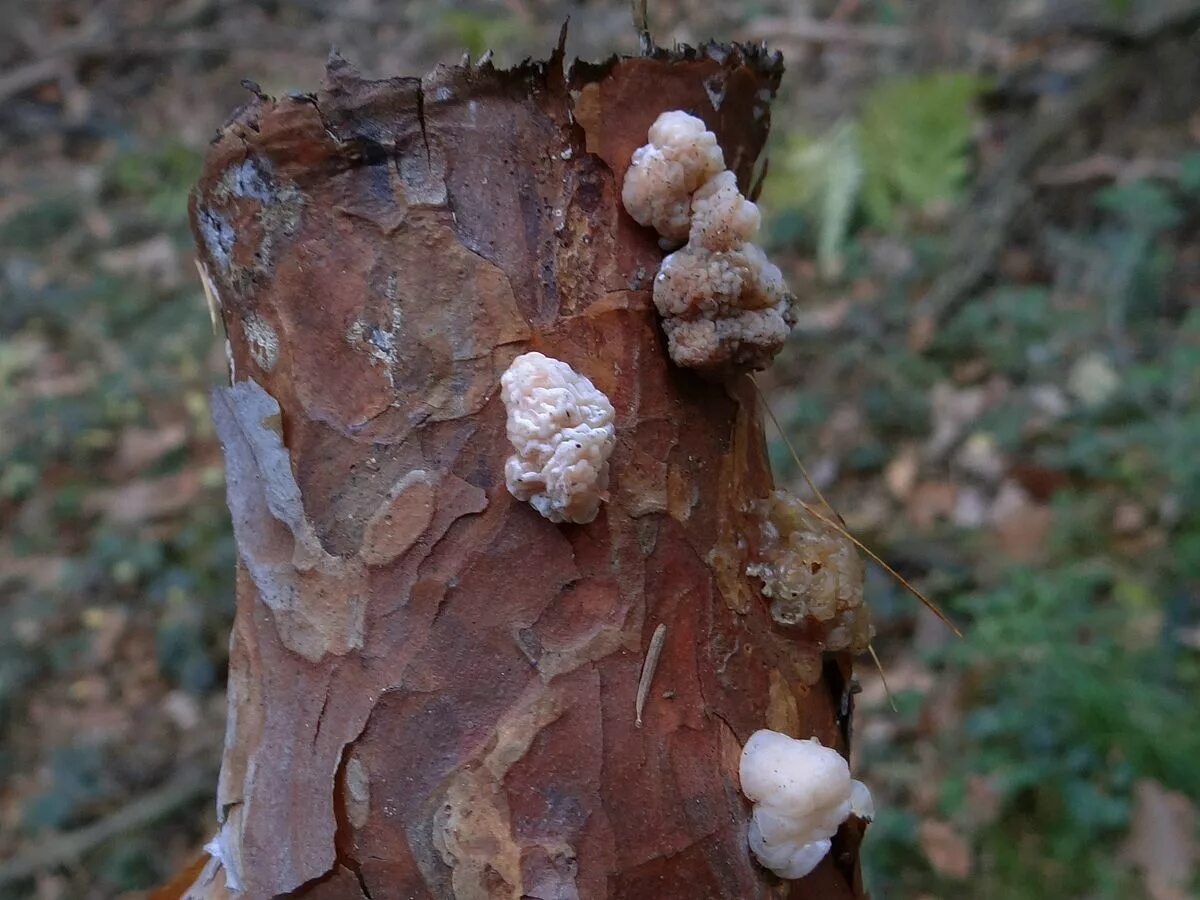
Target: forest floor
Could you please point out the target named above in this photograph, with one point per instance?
(991, 214)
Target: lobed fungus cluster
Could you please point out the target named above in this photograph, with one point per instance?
(724, 308)
(724, 304)
(802, 792)
(812, 573)
(561, 427)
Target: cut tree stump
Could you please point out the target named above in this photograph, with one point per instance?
(432, 688)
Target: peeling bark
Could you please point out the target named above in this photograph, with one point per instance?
(432, 688)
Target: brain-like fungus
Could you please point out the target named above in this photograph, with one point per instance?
(811, 573)
(723, 308)
(681, 156)
(724, 305)
(561, 427)
(722, 218)
(802, 792)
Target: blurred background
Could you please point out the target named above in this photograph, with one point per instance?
(990, 213)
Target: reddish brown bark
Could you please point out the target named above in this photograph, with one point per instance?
(432, 688)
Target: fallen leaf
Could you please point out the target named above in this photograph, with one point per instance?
(138, 448)
(1041, 483)
(1128, 518)
(931, 501)
(983, 799)
(970, 509)
(952, 411)
(41, 572)
(945, 849)
(1092, 380)
(1020, 525)
(980, 456)
(1162, 840)
(901, 473)
(140, 501)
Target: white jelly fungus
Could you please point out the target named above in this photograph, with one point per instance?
(722, 218)
(802, 792)
(724, 305)
(561, 427)
(681, 156)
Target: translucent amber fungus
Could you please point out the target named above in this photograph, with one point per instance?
(812, 574)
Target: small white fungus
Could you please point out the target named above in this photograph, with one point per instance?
(561, 427)
(681, 156)
(722, 219)
(724, 305)
(802, 792)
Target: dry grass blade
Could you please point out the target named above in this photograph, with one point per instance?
(841, 529)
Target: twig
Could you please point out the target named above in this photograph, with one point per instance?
(817, 31)
(652, 654)
(63, 849)
(1104, 167)
(983, 228)
(175, 32)
(22, 78)
(1150, 23)
(641, 24)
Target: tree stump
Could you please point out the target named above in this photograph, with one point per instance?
(432, 688)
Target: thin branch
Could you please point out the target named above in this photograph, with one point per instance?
(1105, 167)
(63, 849)
(983, 228)
(786, 29)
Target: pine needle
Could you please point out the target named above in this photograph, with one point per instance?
(840, 528)
(795, 456)
(882, 677)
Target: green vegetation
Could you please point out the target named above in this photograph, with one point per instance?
(110, 491)
(1031, 462)
(1079, 672)
(907, 150)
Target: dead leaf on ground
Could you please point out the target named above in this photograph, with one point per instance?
(141, 501)
(140, 447)
(931, 501)
(952, 411)
(157, 259)
(983, 799)
(1128, 518)
(41, 572)
(901, 473)
(1092, 380)
(1020, 525)
(945, 849)
(1162, 840)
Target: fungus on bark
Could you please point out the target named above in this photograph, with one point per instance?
(813, 575)
(802, 793)
(681, 156)
(562, 430)
(724, 305)
(432, 693)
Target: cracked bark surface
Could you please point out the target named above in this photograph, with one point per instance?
(432, 688)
